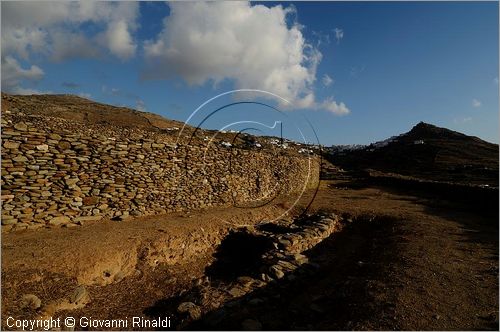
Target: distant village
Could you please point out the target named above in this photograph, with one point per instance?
(258, 142)
(342, 149)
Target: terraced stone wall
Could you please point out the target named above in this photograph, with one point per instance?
(59, 172)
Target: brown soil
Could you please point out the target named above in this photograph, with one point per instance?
(404, 260)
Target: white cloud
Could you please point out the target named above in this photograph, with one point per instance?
(252, 46)
(336, 108)
(321, 38)
(85, 95)
(119, 40)
(17, 90)
(140, 105)
(339, 34)
(495, 80)
(49, 27)
(476, 103)
(68, 45)
(54, 30)
(19, 40)
(13, 74)
(327, 80)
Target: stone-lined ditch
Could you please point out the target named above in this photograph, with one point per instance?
(245, 267)
(251, 265)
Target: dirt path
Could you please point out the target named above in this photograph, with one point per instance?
(400, 264)
(437, 263)
(402, 261)
(125, 266)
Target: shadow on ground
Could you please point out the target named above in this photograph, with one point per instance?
(337, 290)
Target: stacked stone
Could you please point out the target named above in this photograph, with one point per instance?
(283, 263)
(287, 256)
(58, 172)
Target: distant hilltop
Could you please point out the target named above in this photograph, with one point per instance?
(427, 152)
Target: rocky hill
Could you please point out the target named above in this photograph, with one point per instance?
(428, 152)
(74, 108)
(83, 112)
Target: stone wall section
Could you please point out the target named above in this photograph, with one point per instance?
(59, 172)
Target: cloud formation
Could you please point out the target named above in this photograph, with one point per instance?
(140, 105)
(13, 74)
(331, 105)
(49, 28)
(339, 34)
(54, 30)
(119, 40)
(476, 103)
(327, 80)
(85, 95)
(254, 46)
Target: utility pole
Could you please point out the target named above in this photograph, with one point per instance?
(281, 132)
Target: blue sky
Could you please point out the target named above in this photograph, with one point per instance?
(359, 72)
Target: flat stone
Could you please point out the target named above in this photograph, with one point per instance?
(20, 158)
(30, 301)
(79, 296)
(236, 292)
(276, 271)
(56, 221)
(284, 243)
(9, 221)
(91, 200)
(286, 265)
(42, 147)
(21, 126)
(185, 307)
(246, 281)
(63, 145)
(71, 182)
(301, 259)
(11, 145)
(190, 308)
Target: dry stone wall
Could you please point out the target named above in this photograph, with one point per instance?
(60, 172)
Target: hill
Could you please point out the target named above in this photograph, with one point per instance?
(427, 152)
(71, 107)
(84, 111)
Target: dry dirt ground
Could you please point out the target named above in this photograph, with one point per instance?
(402, 260)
